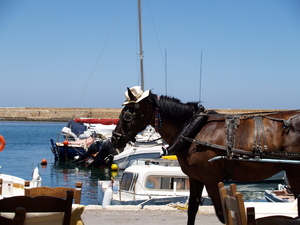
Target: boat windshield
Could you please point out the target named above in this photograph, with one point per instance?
(126, 181)
(167, 183)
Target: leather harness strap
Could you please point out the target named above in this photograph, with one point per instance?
(286, 123)
(231, 125)
(258, 129)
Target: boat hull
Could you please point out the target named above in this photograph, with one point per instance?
(152, 201)
(277, 196)
(66, 153)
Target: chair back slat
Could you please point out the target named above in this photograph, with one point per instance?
(59, 192)
(233, 205)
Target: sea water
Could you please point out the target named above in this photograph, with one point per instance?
(27, 143)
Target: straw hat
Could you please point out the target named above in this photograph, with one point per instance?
(137, 93)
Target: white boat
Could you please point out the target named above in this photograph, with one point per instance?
(146, 185)
(14, 186)
(148, 145)
(132, 153)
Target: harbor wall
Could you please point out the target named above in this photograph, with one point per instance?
(67, 114)
(55, 114)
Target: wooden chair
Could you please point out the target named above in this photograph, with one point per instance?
(59, 192)
(19, 218)
(40, 205)
(235, 214)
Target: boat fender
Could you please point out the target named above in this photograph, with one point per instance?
(114, 167)
(2, 145)
(35, 177)
(107, 197)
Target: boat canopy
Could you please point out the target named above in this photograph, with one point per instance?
(76, 128)
(106, 121)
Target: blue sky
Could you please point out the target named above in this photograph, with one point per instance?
(84, 53)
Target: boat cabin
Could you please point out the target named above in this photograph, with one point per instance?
(154, 179)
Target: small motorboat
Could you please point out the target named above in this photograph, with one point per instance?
(282, 194)
(147, 185)
(14, 186)
(75, 138)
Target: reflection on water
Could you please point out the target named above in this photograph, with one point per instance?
(67, 174)
(254, 192)
(27, 143)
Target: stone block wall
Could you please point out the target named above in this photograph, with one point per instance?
(56, 114)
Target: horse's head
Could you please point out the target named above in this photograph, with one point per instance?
(134, 118)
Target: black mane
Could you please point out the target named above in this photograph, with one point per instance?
(173, 107)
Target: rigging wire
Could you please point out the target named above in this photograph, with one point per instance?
(100, 54)
(156, 34)
(161, 54)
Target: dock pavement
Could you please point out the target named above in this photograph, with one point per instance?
(121, 215)
(124, 215)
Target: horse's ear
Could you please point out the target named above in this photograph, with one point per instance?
(131, 96)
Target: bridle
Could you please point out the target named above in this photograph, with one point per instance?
(129, 120)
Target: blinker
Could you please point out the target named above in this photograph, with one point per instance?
(128, 116)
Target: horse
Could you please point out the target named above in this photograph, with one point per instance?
(170, 116)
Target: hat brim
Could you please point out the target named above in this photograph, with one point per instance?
(144, 95)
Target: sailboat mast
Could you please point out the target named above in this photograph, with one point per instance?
(200, 77)
(141, 47)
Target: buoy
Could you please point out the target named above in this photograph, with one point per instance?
(114, 167)
(65, 142)
(2, 145)
(44, 162)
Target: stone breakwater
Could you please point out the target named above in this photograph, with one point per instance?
(67, 114)
(55, 114)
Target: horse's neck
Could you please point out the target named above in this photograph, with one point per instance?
(170, 129)
(168, 126)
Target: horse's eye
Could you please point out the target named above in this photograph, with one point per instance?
(128, 116)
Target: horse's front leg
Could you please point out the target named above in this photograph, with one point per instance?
(196, 188)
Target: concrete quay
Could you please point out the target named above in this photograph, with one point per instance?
(123, 215)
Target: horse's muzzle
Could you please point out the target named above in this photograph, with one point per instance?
(120, 140)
